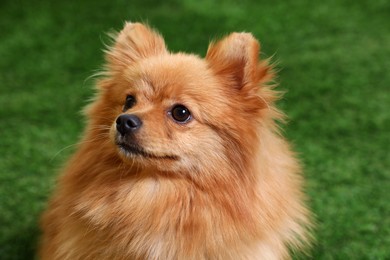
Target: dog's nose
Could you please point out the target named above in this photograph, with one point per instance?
(127, 123)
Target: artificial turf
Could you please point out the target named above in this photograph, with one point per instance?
(333, 61)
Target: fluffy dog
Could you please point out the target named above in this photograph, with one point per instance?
(181, 159)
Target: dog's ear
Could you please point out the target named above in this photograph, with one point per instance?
(135, 42)
(236, 59)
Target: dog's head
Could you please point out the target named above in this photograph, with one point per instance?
(178, 112)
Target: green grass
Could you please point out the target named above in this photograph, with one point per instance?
(334, 60)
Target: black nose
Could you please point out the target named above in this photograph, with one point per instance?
(126, 123)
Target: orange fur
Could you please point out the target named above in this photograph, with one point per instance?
(225, 185)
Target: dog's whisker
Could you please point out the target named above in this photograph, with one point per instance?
(97, 138)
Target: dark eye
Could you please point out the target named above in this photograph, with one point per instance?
(180, 114)
(129, 103)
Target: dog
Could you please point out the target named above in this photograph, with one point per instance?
(182, 158)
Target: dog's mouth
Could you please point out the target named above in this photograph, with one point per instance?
(133, 149)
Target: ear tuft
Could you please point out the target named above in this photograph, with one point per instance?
(235, 58)
(133, 43)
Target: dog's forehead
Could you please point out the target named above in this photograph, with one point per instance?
(174, 74)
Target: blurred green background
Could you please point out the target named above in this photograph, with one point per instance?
(334, 61)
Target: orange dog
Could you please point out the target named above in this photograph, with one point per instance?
(181, 159)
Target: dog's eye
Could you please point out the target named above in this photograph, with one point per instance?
(129, 103)
(180, 114)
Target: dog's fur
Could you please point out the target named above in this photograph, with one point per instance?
(224, 185)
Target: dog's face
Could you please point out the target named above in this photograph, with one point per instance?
(177, 112)
(165, 104)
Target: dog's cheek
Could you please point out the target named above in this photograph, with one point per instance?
(112, 134)
(202, 146)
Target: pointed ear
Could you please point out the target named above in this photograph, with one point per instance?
(135, 42)
(235, 58)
